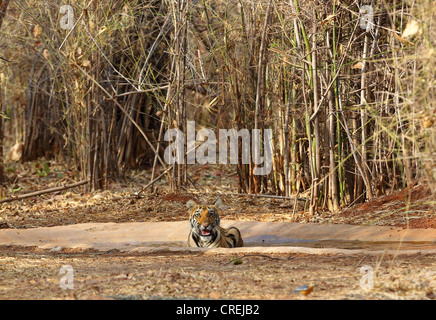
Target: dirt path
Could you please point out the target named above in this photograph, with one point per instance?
(128, 235)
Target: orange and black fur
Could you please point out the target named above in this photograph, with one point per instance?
(206, 230)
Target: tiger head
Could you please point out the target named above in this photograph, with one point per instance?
(204, 219)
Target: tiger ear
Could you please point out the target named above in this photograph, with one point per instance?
(191, 204)
(218, 203)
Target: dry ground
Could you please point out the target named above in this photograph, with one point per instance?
(33, 274)
(414, 207)
(29, 273)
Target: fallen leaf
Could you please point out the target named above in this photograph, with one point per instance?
(46, 54)
(86, 63)
(121, 276)
(37, 31)
(428, 121)
(341, 49)
(411, 29)
(358, 65)
(328, 19)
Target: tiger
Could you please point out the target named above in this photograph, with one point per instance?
(206, 231)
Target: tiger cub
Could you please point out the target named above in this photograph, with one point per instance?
(205, 228)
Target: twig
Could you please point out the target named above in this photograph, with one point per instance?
(361, 260)
(110, 97)
(265, 196)
(257, 255)
(154, 180)
(37, 193)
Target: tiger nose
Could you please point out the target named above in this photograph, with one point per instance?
(205, 224)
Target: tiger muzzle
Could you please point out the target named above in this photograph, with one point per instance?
(206, 230)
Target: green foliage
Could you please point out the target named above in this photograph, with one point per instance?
(44, 171)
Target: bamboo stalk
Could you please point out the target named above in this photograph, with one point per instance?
(363, 116)
(354, 151)
(259, 95)
(317, 151)
(286, 147)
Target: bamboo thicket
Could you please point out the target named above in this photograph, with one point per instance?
(346, 86)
